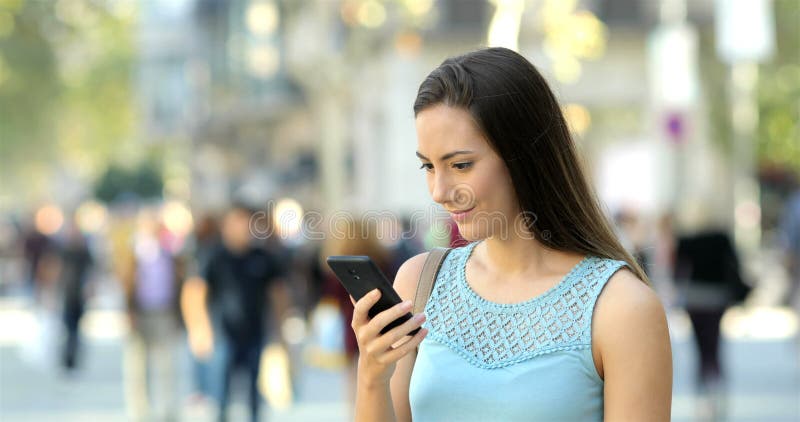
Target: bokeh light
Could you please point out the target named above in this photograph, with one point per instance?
(262, 18)
(578, 118)
(91, 217)
(177, 218)
(408, 43)
(371, 14)
(418, 7)
(49, 219)
(288, 217)
(263, 61)
(571, 35)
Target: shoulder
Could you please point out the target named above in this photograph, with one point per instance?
(405, 282)
(407, 277)
(635, 354)
(627, 301)
(629, 318)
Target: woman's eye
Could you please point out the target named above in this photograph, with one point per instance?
(462, 166)
(427, 166)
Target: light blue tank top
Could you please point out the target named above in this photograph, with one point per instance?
(528, 361)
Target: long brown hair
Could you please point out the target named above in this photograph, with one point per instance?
(516, 110)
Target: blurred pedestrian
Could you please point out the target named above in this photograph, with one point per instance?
(76, 263)
(790, 243)
(663, 258)
(307, 266)
(151, 290)
(228, 306)
(629, 230)
(407, 244)
(708, 277)
(43, 269)
(36, 246)
(202, 244)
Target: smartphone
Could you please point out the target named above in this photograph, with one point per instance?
(359, 275)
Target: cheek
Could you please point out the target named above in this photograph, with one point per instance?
(510, 195)
(500, 189)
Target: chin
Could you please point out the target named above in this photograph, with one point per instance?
(468, 233)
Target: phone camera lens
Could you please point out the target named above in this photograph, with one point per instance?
(351, 271)
(357, 277)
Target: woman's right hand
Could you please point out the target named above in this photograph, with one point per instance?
(380, 352)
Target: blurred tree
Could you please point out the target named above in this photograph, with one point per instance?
(111, 184)
(143, 182)
(778, 90)
(28, 85)
(65, 89)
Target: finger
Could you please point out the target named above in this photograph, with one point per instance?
(398, 353)
(362, 307)
(394, 337)
(352, 301)
(386, 317)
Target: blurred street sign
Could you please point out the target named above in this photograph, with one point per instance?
(675, 127)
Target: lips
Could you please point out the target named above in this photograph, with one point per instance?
(460, 215)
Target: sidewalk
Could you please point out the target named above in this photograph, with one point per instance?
(41, 391)
(764, 378)
(96, 391)
(763, 370)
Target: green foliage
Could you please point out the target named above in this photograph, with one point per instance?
(143, 182)
(779, 93)
(778, 132)
(66, 88)
(29, 87)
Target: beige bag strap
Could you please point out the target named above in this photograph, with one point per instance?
(428, 277)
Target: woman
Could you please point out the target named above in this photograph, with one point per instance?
(516, 326)
(708, 275)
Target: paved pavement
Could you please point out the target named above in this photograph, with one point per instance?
(763, 375)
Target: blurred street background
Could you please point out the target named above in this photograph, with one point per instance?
(151, 149)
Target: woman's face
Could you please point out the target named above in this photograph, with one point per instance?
(465, 174)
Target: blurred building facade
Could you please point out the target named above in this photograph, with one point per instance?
(270, 98)
(313, 101)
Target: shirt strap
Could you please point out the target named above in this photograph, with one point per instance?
(428, 277)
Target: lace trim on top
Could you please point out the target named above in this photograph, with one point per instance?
(494, 335)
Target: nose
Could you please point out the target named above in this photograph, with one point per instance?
(439, 187)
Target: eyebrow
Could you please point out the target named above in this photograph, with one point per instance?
(446, 156)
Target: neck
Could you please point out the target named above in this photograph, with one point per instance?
(237, 248)
(521, 257)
